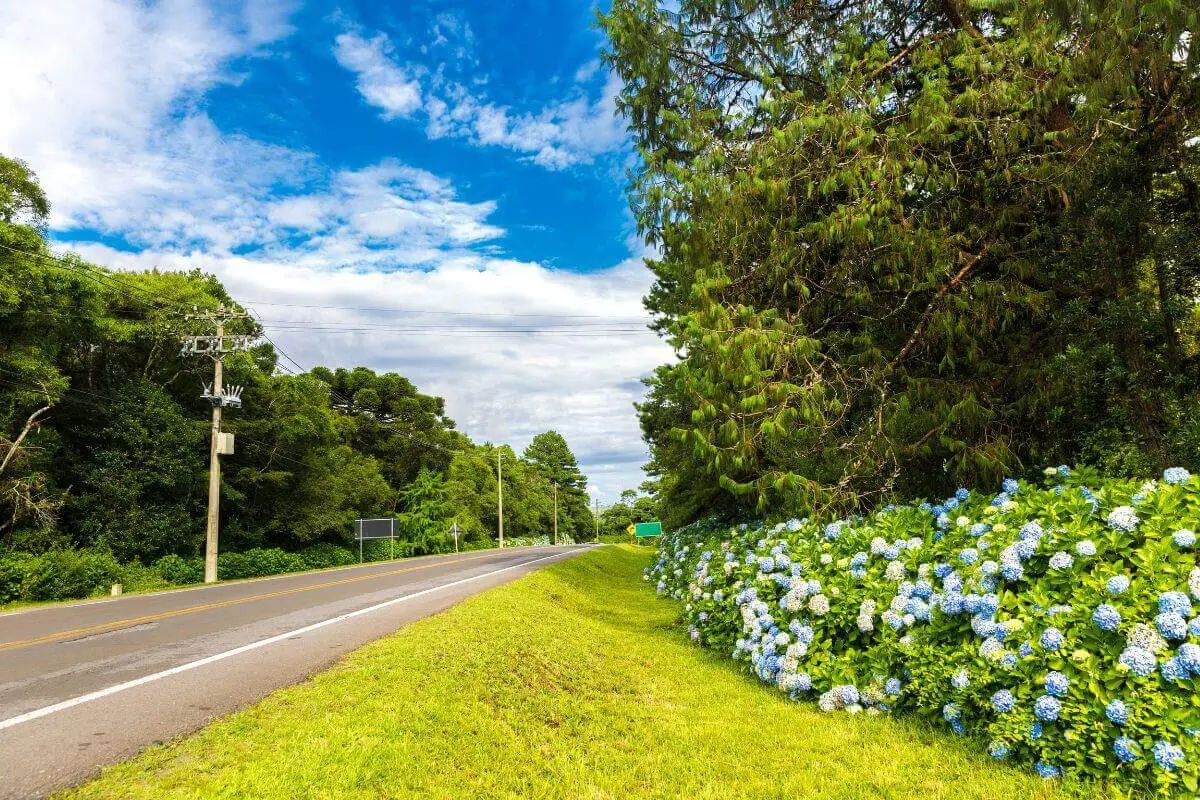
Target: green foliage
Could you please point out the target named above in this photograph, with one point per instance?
(933, 610)
(903, 247)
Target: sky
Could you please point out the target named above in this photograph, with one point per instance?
(433, 188)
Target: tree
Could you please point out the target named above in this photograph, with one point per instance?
(909, 246)
(551, 457)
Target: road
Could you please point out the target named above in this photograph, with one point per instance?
(83, 685)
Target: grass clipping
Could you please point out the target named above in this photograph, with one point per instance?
(574, 682)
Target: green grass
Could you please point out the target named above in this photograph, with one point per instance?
(574, 683)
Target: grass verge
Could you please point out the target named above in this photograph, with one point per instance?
(573, 682)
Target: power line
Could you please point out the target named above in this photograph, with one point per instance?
(402, 310)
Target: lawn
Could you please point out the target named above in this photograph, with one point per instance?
(574, 682)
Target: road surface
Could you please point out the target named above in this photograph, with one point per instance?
(87, 684)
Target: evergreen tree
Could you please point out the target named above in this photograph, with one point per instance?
(909, 246)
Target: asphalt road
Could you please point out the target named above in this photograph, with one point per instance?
(87, 684)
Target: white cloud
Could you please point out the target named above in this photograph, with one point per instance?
(382, 83)
(574, 130)
(579, 377)
(109, 112)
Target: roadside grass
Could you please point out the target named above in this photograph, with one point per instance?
(574, 682)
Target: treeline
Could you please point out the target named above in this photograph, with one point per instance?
(906, 247)
(104, 434)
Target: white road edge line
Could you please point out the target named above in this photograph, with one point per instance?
(29, 716)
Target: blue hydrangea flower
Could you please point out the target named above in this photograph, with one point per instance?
(1086, 548)
(1126, 750)
(833, 530)
(1118, 584)
(1031, 531)
(961, 495)
(1008, 661)
(1176, 602)
(1171, 625)
(1012, 572)
(1056, 683)
(1116, 712)
(998, 750)
(1176, 475)
(1046, 708)
(951, 711)
(1123, 518)
(1106, 617)
(1026, 548)
(1167, 755)
(1047, 770)
(1189, 657)
(1010, 486)
(1051, 639)
(1172, 671)
(1183, 538)
(1003, 701)
(802, 682)
(968, 556)
(1138, 660)
(849, 694)
(1026, 649)
(892, 686)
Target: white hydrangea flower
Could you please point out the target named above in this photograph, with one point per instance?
(818, 604)
(895, 571)
(1194, 583)
(1144, 636)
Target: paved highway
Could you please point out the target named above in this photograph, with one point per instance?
(87, 684)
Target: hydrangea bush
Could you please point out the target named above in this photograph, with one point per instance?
(1060, 625)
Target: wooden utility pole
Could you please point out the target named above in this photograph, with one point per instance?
(556, 513)
(219, 443)
(500, 496)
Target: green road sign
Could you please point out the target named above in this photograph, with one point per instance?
(644, 529)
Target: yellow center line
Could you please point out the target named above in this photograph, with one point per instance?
(123, 623)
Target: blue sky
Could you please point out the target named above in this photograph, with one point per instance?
(457, 162)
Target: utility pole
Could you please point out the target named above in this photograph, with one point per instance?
(556, 513)
(219, 444)
(500, 495)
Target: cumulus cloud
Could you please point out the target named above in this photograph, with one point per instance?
(381, 82)
(573, 130)
(514, 347)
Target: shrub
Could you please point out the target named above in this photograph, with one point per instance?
(326, 554)
(13, 569)
(69, 574)
(1054, 624)
(179, 570)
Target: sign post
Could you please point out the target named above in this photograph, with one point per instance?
(647, 530)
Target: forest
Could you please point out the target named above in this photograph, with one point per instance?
(104, 433)
(902, 247)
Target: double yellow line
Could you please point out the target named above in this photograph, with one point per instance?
(125, 623)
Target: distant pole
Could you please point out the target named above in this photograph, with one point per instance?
(500, 496)
(216, 347)
(358, 524)
(556, 513)
(596, 515)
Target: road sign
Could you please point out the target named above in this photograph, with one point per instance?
(645, 529)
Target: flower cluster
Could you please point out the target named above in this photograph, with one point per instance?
(1053, 623)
